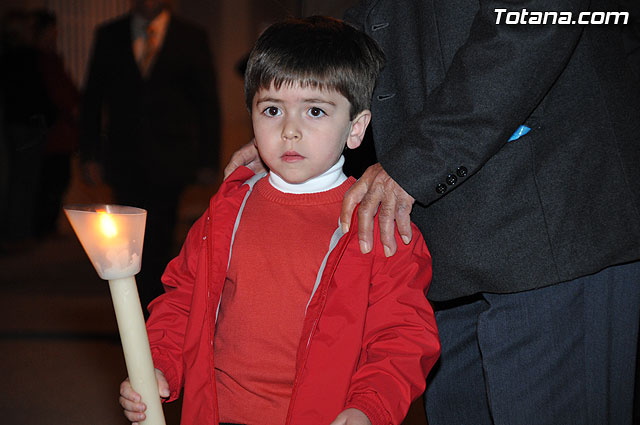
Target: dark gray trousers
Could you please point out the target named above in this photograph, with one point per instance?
(563, 354)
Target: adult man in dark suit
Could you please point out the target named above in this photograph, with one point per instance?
(150, 120)
(535, 242)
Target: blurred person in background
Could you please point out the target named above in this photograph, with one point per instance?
(26, 111)
(150, 120)
(61, 137)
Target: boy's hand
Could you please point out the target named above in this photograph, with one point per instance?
(247, 156)
(351, 416)
(131, 401)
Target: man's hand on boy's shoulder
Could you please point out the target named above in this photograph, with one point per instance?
(351, 416)
(377, 193)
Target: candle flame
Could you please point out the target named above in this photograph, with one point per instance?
(107, 225)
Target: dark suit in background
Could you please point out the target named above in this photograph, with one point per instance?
(151, 134)
(535, 242)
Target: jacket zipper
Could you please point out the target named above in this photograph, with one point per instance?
(209, 252)
(322, 292)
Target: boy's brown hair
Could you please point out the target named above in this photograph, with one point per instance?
(318, 52)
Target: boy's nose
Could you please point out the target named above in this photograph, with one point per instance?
(291, 131)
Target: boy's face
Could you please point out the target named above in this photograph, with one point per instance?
(301, 132)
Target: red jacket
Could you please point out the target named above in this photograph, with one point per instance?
(368, 340)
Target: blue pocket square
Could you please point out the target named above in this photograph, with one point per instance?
(521, 131)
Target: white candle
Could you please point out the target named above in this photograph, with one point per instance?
(135, 344)
(112, 236)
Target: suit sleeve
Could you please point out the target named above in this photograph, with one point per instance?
(400, 340)
(496, 79)
(205, 92)
(90, 120)
(167, 322)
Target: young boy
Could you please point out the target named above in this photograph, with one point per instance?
(271, 314)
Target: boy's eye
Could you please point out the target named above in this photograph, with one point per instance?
(315, 112)
(272, 111)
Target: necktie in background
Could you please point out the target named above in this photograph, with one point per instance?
(149, 51)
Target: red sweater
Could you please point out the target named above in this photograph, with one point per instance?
(277, 252)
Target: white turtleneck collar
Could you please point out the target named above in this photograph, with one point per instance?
(328, 180)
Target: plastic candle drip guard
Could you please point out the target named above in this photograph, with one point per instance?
(111, 235)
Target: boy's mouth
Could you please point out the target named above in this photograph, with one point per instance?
(291, 156)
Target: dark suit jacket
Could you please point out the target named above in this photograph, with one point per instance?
(161, 128)
(562, 201)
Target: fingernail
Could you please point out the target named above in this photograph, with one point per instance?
(406, 239)
(364, 247)
(345, 228)
(164, 393)
(387, 251)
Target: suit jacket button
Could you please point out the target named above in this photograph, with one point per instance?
(461, 171)
(441, 188)
(451, 179)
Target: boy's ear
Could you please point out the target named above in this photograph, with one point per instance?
(358, 128)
